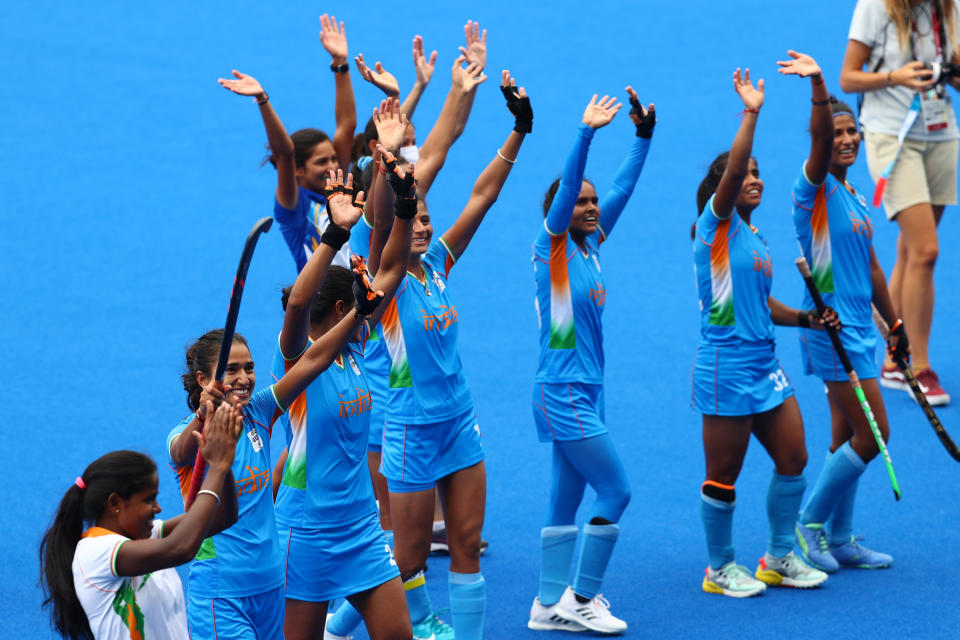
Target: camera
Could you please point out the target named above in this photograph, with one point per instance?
(943, 71)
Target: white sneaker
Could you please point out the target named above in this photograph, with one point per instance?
(788, 571)
(330, 636)
(546, 619)
(732, 580)
(594, 615)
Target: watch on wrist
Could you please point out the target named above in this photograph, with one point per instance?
(340, 68)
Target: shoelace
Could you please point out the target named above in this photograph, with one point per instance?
(601, 603)
(822, 543)
(736, 572)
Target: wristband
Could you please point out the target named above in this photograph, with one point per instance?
(335, 236)
(209, 493)
(339, 68)
(803, 319)
(756, 111)
(889, 78)
(817, 79)
(405, 208)
(897, 328)
(266, 98)
(820, 103)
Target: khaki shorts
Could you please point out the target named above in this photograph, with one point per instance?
(925, 171)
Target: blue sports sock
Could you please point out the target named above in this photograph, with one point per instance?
(468, 603)
(344, 620)
(598, 543)
(556, 552)
(840, 524)
(717, 517)
(838, 476)
(783, 506)
(418, 600)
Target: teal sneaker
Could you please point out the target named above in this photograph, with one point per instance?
(732, 580)
(432, 628)
(853, 554)
(815, 547)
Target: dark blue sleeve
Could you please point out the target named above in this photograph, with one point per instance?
(616, 199)
(561, 210)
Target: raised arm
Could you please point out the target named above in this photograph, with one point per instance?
(391, 126)
(596, 115)
(424, 67)
(184, 534)
(334, 39)
(378, 77)
(821, 119)
(344, 213)
(644, 119)
(281, 146)
(487, 187)
(396, 253)
(739, 159)
(433, 153)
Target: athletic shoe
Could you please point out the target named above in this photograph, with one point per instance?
(788, 571)
(546, 619)
(594, 614)
(815, 547)
(432, 628)
(892, 378)
(853, 554)
(930, 385)
(331, 636)
(732, 580)
(438, 542)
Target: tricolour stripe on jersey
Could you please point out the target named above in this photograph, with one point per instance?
(295, 469)
(396, 347)
(721, 280)
(822, 266)
(563, 333)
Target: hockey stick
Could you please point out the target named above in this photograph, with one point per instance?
(262, 226)
(920, 397)
(851, 373)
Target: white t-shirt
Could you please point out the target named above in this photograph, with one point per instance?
(149, 607)
(884, 109)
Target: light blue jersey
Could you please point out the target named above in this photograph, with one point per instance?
(570, 289)
(244, 559)
(325, 480)
(421, 330)
(734, 277)
(836, 236)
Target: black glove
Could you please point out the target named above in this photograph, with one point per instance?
(645, 123)
(405, 188)
(367, 299)
(520, 108)
(807, 318)
(334, 235)
(900, 351)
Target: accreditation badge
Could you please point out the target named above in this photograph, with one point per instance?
(935, 110)
(255, 439)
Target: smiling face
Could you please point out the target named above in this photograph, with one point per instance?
(239, 375)
(422, 230)
(752, 190)
(586, 212)
(135, 515)
(846, 142)
(315, 171)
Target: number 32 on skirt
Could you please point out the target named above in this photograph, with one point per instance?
(780, 381)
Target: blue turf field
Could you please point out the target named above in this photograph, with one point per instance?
(129, 180)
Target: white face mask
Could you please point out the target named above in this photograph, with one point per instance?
(410, 154)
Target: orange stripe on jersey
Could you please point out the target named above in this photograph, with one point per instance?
(720, 249)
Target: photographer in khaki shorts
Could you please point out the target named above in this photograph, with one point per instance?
(909, 48)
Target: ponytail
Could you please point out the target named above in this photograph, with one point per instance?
(120, 472)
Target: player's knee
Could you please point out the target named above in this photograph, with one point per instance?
(793, 462)
(465, 545)
(924, 255)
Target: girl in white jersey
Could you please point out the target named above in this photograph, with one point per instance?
(115, 580)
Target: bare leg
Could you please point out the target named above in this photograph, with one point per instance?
(918, 230)
(304, 620)
(725, 441)
(862, 440)
(384, 611)
(412, 516)
(780, 431)
(464, 496)
(380, 491)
